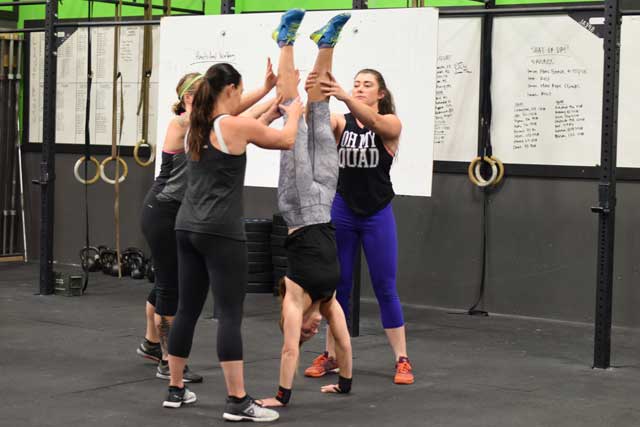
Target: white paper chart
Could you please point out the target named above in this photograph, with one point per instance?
(72, 86)
(457, 89)
(628, 105)
(546, 91)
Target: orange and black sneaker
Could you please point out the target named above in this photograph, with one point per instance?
(321, 366)
(403, 372)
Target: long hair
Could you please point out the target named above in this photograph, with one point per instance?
(216, 78)
(188, 79)
(386, 104)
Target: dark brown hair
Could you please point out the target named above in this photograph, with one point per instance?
(386, 104)
(179, 107)
(216, 78)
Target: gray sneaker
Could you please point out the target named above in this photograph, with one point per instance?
(150, 350)
(248, 410)
(178, 397)
(187, 376)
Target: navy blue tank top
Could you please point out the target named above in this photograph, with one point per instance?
(363, 181)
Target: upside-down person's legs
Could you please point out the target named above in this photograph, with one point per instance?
(322, 143)
(295, 182)
(287, 86)
(322, 66)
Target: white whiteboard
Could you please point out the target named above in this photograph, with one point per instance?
(457, 89)
(71, 86)
(405, 56)
(628, 100)
(546, 91)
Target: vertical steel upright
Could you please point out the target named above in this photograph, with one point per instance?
(607, 186)
(227, 7)
(360, 4)
(47, 166)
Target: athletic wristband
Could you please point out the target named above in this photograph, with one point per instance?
(344, 384)
(284, 394)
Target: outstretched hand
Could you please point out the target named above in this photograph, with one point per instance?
(330, 87)
(270, 402)
(270, 78)
(273, 113)
(311, 81)
(294, 109)
(330, 388)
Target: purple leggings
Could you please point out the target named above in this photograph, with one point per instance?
(380, 243)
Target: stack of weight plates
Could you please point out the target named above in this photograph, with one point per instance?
(260, 267)
(278, 254)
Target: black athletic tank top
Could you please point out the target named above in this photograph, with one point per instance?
(212, 202)
(170, 183)
(363, 181)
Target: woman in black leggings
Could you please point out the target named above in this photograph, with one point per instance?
(158, 222)
(210, 230)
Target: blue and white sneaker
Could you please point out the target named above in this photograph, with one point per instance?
(327, 36)
(285, 34)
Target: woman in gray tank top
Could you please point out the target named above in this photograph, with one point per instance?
(158, 223)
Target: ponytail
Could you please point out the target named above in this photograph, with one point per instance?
(215, 79)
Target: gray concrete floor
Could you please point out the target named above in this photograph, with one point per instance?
(71, 361)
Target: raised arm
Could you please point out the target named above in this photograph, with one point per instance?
(258, 110)
(388, 126)
(252, 97)
(258, 133)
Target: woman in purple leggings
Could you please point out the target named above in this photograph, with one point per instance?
(367, 139)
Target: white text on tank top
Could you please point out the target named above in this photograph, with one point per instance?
(358, 150)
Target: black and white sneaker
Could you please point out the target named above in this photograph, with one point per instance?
(150, 350)
(178, 397)
(187, 376)
(248, 410)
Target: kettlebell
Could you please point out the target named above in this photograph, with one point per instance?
(134, 260)
(90, 258)
(107, 259)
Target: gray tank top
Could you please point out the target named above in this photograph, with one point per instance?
(213, 202)
(172, 179)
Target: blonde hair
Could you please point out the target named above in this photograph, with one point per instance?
(187, 84)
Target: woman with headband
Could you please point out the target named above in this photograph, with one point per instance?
(158, 222)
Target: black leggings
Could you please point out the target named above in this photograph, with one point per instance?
(158, 223)
(208, 260)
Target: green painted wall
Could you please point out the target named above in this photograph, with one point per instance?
(78, 8)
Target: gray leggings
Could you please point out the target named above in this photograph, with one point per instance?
(309, 172)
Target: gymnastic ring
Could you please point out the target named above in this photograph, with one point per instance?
(494, 172)
(76, 170)
(125, 170)
(500, 170)
(151, 158)
(470, 171)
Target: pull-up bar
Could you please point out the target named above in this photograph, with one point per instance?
(153, 6)
(22, 3)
